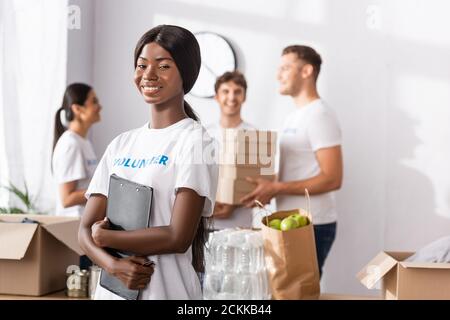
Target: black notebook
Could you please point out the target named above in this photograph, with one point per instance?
(128, 208)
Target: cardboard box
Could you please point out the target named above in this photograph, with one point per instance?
(34, 257)
(230, 191)
(249, 160)
(241, 172)
(246, 147)
(244, 153)
(235, 185)
(252, 148)
(230, 197)
(253, 136)
(238, 141)
(403, 280)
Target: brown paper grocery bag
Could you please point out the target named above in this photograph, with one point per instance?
(291, 259)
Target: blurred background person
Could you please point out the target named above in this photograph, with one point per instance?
(74, 160)
(310, 150)
(231, 92)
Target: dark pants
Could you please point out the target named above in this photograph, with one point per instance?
(324, 235)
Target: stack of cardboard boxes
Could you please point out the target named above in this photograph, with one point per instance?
(244, 153)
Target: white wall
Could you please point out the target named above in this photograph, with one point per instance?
(80, 50)
(385, 72)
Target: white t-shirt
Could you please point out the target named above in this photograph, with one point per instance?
(241, 216)
(164, 159)
(306, 130)
(74, 159)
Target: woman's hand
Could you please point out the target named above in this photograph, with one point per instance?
(134, 272)
(98, 232)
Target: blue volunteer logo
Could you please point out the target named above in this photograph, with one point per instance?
(140, 163)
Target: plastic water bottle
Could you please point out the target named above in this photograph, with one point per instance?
(209, 254)
(212, 285)
(227, 251)
(258, 262)
(244, 256)
(235, 267)
(219, 248)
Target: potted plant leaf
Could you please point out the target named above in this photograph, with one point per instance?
(24, 197)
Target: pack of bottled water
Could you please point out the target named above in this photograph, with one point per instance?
(235, 267)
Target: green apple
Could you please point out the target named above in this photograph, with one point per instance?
(288, 224)
(301, 220)
(304, 221)
(275, 224)
(296, 217)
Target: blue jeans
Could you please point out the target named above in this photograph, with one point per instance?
(324, 235)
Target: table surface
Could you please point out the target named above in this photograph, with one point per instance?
(335, 296)
(62, 296)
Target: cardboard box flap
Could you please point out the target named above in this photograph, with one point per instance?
(376, 269)
(67, 233)
(15, 239)
(399, 255)
(425, 265)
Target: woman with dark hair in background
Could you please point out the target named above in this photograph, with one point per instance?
(74, 160)
(159, 154)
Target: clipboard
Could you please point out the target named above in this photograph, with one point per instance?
(128, 208)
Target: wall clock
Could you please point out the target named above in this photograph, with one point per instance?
(218, 57)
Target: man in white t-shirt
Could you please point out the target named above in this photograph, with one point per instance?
(310, 149)
(231, 90)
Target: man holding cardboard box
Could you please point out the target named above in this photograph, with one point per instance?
(310, 150)
(231, 90)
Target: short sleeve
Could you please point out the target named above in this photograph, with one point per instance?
(196, 171)
(100, 181)
(323, 130)
(69, 163)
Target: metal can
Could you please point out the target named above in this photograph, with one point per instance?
(77, 283)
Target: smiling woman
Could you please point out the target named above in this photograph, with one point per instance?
(157, 76)
(160, 154)
(155, 65)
